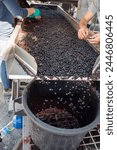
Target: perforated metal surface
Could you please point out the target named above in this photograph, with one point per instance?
(91, 141)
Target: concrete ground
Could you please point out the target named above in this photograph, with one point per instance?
(10, 140)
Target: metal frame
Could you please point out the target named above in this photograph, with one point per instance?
(91, 141)
(22, 57)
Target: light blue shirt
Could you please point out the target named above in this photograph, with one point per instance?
(95, 8)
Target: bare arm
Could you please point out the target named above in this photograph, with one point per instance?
(83, 31)
(84, 21)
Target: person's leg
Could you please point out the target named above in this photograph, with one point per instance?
(3, 75)
(3, 71)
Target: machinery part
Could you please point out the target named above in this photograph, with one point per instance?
(96, 65)
(21, 111)
(59, 69)
(21, 64)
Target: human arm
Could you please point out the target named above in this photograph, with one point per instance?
(16, 10)
(83, 31)
(92, 10)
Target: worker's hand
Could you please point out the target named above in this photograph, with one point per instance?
(94, 39)
(83, 33)
(36, 14)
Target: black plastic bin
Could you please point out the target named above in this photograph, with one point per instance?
(80, 99)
